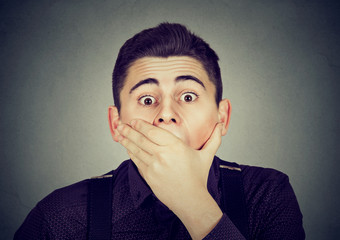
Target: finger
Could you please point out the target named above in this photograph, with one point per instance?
(139, 164)
(211, 146)
(137, 138)
(132, 148)
(157, 135)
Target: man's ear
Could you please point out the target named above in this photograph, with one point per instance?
(113, 117)
(224, 111)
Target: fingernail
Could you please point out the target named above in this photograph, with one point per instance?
(120, 138)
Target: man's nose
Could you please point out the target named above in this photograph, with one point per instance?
(167, 114)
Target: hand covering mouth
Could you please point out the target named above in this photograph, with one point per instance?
(175, 131)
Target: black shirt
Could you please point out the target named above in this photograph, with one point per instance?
(273, 211)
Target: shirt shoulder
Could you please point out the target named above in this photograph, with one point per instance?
(63, 213)
(60, 214)
(75, 195)
(64, 198)
(253, 175)
(256, 175)
(272, 207)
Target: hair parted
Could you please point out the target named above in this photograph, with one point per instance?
(165, 40)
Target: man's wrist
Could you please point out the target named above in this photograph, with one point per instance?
(199, 215)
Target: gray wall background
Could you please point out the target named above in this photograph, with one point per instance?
(280, 67)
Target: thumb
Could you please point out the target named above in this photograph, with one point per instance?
(214, 142)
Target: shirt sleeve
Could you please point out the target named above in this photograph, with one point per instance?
(273, 213)
(34, 227)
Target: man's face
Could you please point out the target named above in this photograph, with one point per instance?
(172, 93)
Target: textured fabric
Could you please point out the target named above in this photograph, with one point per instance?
(272, 208)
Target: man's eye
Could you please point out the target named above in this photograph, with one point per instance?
(188, 97)
(147, 100)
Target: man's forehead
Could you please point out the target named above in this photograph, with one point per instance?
(154, 65)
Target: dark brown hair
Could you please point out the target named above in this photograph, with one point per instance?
(165, 40)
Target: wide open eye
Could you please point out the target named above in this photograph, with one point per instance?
(188, 97)
(147, 100)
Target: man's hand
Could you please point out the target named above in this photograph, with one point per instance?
(176, 173)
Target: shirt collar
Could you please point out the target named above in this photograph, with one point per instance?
(213, 179)
(140, 190)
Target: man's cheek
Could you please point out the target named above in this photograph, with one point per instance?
(197, 140)
(203, 135)
(137, 113)
(147, 114)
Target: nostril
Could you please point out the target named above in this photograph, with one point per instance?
(160, 120)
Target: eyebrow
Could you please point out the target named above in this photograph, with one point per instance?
(156, 82)
(189, 77)
(145, 81)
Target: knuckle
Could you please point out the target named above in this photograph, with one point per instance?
(126, 130)
(136, 151)
(124, 142)
(151, 132)
(154, 167)
(148, 172)
(137, 125)
(159, 155)
(162, 157)
(141, 140)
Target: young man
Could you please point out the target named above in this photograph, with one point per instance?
(170, 116)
